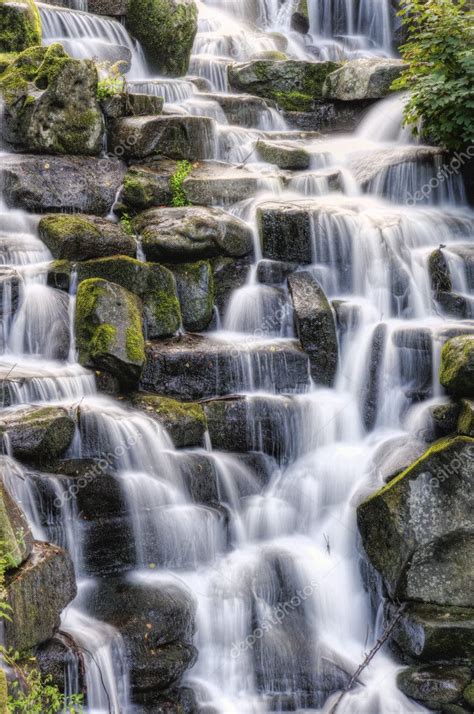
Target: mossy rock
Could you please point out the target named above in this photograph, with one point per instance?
(83, 237)
(466, 418)
(434, 685)
(166, 31)
(20, 25)
(185, 422)
(153, 283)
(6, 58)
(36, 434)
(109, 329)
(196, 292)
(456, 372)
(16, 540)
(468, 695)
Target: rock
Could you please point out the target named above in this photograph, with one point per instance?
(439, 272)
(468, 695)
(218, 184)
(51, 104)
(300, 18)
(130, 104)
(415, 359)
(465, 252)
(199, 475)
(109, 329)
(445, 418)
(192, 233)
(434, 686)
(83, 237)
(59, 275)
(195, 284)
(415, 531)
(454, 305)
(175, 137)
(20, 25)
(315, 326)
(396, 455)
(274, 272)
(37, 433)
(16, 541)
(465, 424)
(285, 156)
(371, 391)
(373, 169)
(240, 109)
(457, 366)
(292, 84)
(148, 185)
(154, 284)
(229, 275)
(107, 7)
(70, 183)
(166, 31)
(192, 367)
(363, 79)
(37, 592)
(185, 422)
(156, 621)
(285, 232)
(52, 658)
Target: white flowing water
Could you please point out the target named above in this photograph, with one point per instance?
(282, 614)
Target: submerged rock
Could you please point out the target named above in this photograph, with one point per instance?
(185, 422)
(363, 79)
(315, 326)
(192, 233)
(457, 366)
(51, 104)
(37, 592)
(37, 433)
(67, 183)
(166, 31)
(20, 25)
(109, 329)
(153, 283)
(80, 237)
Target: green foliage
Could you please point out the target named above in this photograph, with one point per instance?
(112, 82)
(126, 223)
(183, 169)
(440, 75)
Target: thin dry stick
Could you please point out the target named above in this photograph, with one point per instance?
(384, 637)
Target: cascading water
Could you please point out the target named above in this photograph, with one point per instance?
(294, 537)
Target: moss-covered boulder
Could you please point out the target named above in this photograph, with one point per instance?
(51, 104)
(20, 25)
(363, 79)
(148, 186)
(153, 283)
(37, 592)
(37, 433)
(418, 531)
(83, 237)
(109, 329)
(166, 31)
(456, 372)
(293, 84)
(185, 422)
(465, 424)
(16, 540)
(181, 235)
(196, 292)
(436, 685)
(315, 326)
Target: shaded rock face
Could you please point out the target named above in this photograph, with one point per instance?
(109, 329)
(315, 326)
(195, 285)
(20, 25)
(186, 234)
(84, 237)
(185, 422)
(166, 30)
(146, 186)
(70, 183)
(51, 104)
(16, 541)
(37, 433)
(417, 531)
(363, 79)
(37, 592)
(435, 685)
(457, 366)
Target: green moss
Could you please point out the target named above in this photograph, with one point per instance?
(468, 695)
(456, 371)
(165, 309)
(137, 191)
(103, 339)
(32, 69)
(294, 101)
(183, 169)
(20, 25)
(6, 58)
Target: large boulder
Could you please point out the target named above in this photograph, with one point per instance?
(315, 326)
(51, 104)
(185, 422)
(61, 183)
(182, 235)
(20, 25)
(83, 237)
(293, 84)
(363, 79)
(195, 284)
(109, 329)
(153, 283)
(166, 31)
(457, 366)
(418, 531)
(37, 433)
(37, 592)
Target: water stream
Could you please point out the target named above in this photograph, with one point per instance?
(291, 546)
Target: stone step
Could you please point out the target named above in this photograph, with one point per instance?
(194, 367)
(221, 184)
(240, 109)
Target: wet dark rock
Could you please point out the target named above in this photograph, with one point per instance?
(185, 422)
(83, 237)
(465, 424)
(195, 286)
(457, 366)
(285, 232)
(363, 79)
(370, 397)
(109, 329)
(416, 531)
(107, 7)
(130, 104)
(59, 275)
(53, 658)
(37, 592)
(68, 183)
(175, 137)
(16, 540)
(229, 275)
(153, 284)
(148, 185)
(274, 272)
(182, 235)
(193, 367)
(445, 418)
(300, 18)
(315, 326)
(415, 361)
(454, 305)
(328, 116)
(37, 433)
(107, 545)
(199, 476)
(240, 109)
(434, 686)
(439, 272)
